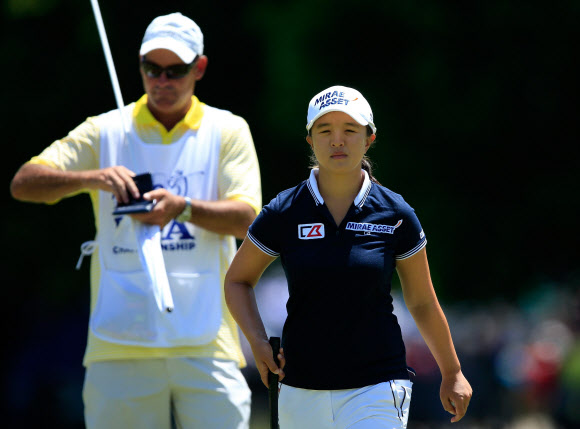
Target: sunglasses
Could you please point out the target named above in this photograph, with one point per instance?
(176, 71)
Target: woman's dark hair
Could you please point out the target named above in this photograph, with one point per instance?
(367, 164)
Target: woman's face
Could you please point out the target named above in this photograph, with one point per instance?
(339, 142)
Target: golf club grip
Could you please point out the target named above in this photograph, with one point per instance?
(273, 385)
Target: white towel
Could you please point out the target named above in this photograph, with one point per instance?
(149, 238)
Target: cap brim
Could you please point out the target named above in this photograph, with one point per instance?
(179, 49)
(358, 118)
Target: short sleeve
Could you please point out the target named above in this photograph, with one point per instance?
(264, 232)
(75, 152)
(410, 237)
(239, 172)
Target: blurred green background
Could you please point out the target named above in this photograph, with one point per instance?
(476, 105)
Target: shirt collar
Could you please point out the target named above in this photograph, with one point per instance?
(143, 116)
(358, 201)
(313, 187)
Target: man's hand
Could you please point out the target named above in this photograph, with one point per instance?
(118, 180)
(168, 207)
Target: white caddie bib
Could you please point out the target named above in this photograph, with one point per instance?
(126, 311)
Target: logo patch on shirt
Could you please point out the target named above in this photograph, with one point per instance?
(372, 227)
(310, 231)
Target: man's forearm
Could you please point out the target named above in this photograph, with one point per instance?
(223, 217)
(42, 184)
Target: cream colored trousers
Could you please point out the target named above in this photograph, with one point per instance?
(149, 393)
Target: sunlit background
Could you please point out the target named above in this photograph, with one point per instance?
(476, 105)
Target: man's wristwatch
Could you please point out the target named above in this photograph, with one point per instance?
(185, 215)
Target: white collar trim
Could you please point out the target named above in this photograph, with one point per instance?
(365, 189)
(358, 201)
(313, 187)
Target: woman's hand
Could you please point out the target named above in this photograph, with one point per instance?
(263, 355)
(455, 394)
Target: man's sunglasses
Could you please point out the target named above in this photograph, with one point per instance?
(176, 71)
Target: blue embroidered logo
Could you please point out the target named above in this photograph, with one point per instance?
(371, 227)
(332, 98)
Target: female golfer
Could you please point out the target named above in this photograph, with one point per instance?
(340, 235)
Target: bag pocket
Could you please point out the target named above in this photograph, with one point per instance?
(125, 310)
(197, 313)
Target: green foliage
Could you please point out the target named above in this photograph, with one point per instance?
(473, 103)
(29, 8)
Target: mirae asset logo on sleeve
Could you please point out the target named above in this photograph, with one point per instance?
(311, 231)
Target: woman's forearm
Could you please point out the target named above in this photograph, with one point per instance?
(434, 329)
(241, 301)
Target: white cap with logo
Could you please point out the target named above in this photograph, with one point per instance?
(176, 33)
(340, 99)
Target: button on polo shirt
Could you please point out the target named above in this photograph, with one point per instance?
(340, 332)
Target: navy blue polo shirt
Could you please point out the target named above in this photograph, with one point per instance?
(340, 332)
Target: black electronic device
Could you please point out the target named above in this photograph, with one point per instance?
(144, 183)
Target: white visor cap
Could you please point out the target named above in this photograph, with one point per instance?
(176, 33)
(340, 99)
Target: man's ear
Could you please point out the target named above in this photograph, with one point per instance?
(200, 67)
(309, 140)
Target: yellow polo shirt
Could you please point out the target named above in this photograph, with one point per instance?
(238, 179)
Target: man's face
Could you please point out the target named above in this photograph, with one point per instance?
(169, 97)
